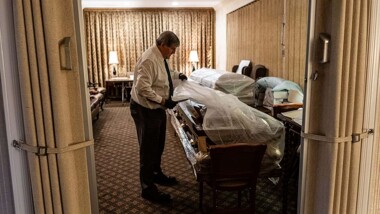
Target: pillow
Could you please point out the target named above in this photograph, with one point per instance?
(269, 82)
(287, 85)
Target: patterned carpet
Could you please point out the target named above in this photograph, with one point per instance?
(117, 169)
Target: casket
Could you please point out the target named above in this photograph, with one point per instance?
(208, 117)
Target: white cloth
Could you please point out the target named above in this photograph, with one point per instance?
(150, 83)
(228, 120)
(231, 83)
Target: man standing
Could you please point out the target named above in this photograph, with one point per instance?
(151, 95)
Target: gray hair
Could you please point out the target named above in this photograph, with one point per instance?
(167, 38)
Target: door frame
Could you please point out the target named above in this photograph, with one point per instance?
(83, 75)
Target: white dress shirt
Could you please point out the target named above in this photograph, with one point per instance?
(150, 83)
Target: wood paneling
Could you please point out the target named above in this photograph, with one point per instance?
(295, 40)
(271, 33)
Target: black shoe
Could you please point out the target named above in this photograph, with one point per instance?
(162, 179)
(154, 195)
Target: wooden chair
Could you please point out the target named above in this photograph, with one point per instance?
(234, 168)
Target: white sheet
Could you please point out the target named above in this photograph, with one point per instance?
(228, 120)
(230, 83)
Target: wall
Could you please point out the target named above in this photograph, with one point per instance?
(15, 195)
(221, 12)
(6, 196)
(254, 32)
(271, 32)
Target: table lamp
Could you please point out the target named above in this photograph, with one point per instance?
(113, 61)
(193, 58)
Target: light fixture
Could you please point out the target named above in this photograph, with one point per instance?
(194, 58)
(113, 61)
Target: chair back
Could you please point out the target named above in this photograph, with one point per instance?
(244, 68)
(236, 162)
(258, 72)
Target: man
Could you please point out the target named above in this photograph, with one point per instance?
(151, 95)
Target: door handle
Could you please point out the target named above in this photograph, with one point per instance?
(65, 54)
(324, 44)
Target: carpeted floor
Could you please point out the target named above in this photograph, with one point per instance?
(117, 169)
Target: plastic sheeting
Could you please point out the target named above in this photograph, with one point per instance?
(228, 120)
(230, 83)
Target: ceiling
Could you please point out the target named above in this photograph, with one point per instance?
(147, 3)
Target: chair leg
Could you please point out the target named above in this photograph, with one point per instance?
(285, 194)
(201, 196)
(252, 199)
(239, 199)
(214, 199)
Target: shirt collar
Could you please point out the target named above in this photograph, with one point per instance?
(157, 52)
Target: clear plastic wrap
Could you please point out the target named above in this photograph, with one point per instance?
(230, 83)
(227, 120)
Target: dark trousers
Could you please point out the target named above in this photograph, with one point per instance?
(151, 130)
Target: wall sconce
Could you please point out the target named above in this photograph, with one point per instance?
(113, 61)
(194, 58)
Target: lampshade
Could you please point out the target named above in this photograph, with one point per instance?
(194, 56)
(113, 58)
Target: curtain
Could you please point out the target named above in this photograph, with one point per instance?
(130, 32)
(52, 107)
(374, 117)
(272, 33)
(334, 108)
(374, 195)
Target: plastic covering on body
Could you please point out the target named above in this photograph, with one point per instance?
(230, 83)
(228, 120)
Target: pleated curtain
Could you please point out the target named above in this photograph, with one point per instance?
(374, 66)
(130, 32)
(52, 105)
(335, 108)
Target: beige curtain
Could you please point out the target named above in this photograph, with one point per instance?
(335, 109)
(374, 66)
(52, 105)
(374, 196)
(131, 31)
(272, 33)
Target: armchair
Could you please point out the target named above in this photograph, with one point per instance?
(245, 68)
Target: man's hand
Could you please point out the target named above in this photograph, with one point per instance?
(169, 103)
(182, 76)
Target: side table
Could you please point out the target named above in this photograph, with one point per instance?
(126, 83)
